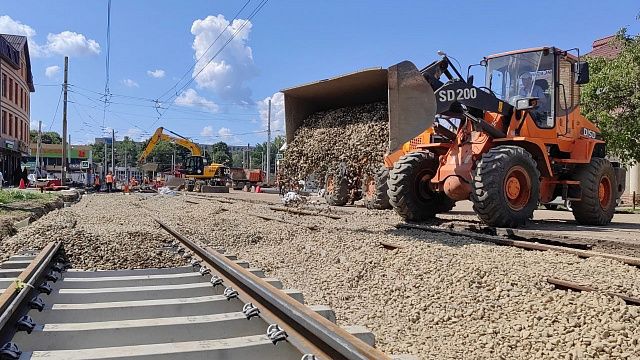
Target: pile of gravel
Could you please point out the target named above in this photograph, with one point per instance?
(355, 135)
(100, 232)
(435, 296)
(438, 296)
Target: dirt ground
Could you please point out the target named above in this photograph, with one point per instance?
(624, 229)
(434, 295)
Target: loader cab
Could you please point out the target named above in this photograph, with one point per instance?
(548, 74)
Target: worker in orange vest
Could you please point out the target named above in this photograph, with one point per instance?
(109, 180)
(96, 182)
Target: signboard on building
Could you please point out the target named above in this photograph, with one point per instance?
(84, 165)
(76, 153)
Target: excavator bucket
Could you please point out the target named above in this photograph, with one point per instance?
(409, 96)
(412, 104)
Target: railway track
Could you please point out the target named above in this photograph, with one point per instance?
(215, 307)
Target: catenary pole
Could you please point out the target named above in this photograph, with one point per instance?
(64, 120)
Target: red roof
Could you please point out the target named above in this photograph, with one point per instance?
(607, 47)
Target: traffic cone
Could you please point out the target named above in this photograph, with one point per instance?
(21, 186)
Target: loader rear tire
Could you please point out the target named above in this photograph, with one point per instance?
(599, 193)
(506, 185)
(337, 186)
(410, 192)
(374, 190)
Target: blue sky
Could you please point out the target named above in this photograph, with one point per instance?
(285, 44)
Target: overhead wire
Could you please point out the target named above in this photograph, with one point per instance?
(57, 107)
(107, 64)
(205, 52)
(235, 33)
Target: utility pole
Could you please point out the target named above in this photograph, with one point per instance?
(173, 160)
(126, 170)
(113, 152)
(38, 150)
(69, 151)
(104, 159)
(64, 120)
(269, 143)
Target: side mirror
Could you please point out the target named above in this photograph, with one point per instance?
(470, 79)
(526, 103)
(582, 72)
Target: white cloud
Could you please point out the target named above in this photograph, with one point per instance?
(224, 133)
(190, 98)
(130, 83)
(158, 73)
(52, 71)
(277, 111)
(64, 43)
(10, 26)
(134, 134)
(228, 73)
(207, 131)
(70, 43)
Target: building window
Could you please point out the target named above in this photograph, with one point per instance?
(10, 89)
(10, 124)
(4, 85)
(15, 88)
(21, 99)
(4, 122)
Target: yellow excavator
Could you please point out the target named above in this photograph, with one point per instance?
(196, 171)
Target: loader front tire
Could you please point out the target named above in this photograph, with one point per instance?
(506, 185)
(599, 193)
(374, 190)
(410, 192)
(337, 186)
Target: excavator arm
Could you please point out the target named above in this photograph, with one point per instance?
(159, 135)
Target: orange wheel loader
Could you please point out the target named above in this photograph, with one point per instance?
(508, 146)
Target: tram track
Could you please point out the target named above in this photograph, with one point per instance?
(214, 307)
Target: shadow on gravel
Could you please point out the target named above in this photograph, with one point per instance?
(426, 236)
(572, 225)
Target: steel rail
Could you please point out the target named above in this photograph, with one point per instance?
(11, 299)
(565, 284)
(307, 330)
(527, 245)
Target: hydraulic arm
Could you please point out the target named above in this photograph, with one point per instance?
(159, 135)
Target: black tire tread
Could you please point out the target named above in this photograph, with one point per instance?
(588, 211)
(340, 196)
(380, 200)
(400, 195)
(487, 195)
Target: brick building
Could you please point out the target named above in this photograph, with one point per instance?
(16, 86)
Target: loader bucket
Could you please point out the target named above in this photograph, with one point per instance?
(410, 99)
(361, 87)
(412, 104)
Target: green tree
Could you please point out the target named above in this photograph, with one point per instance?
(48, 137)
(260, 152)
(612, 98)
(128, 147)
(220, 153)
